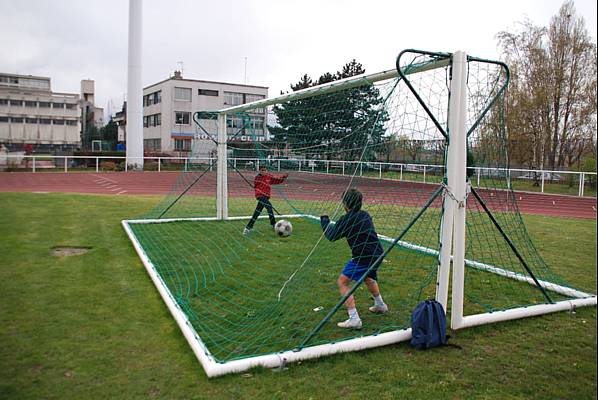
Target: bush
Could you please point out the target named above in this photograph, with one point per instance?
(108, 166)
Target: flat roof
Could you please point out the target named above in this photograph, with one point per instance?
(204, 81)
(24, 76)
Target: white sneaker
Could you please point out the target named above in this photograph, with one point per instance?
(378, 309)
(246, 231)
(350, 324)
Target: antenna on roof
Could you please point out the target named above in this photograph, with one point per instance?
(181, 64)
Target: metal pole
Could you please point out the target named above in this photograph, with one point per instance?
(98, 164)
(542, 189)
(452, 237)
(134, 87)
(66, 161)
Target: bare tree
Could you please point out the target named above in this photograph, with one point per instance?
(552, 99)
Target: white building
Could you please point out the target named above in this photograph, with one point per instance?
(169, 106)
(30, 113)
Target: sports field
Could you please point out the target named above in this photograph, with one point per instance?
(94, 326)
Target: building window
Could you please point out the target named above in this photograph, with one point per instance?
(31, 104)
(249, 98)
(152, 120)
(152, 144)
(257, 125)
(70, 106)
(182, 118)
(16, 103)
(3, 102)
(31, 120)
(207, 92)
(17, 120)
(44, 104)
(3, 119)
(71, 122)
(57, 105)
(233, 99)
(234, 122)
(45, 121)
(182, 144)
(182, 94)
(152, 98)
(57, 122)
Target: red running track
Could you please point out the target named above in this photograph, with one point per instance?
(303, 186)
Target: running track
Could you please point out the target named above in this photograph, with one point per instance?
(300, 186)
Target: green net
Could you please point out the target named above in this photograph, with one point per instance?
(247, 291)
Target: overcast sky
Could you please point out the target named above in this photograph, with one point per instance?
(70, 40)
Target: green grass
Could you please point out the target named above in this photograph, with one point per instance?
(94, 326)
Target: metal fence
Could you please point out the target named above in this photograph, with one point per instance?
(543, 181)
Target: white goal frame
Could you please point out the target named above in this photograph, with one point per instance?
(450, 257)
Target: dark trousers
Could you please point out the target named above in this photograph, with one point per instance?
(261, 203)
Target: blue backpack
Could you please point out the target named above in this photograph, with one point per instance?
(428, 325)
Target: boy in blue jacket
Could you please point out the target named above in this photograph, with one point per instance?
(357, 226)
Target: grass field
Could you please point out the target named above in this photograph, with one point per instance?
(94, 326)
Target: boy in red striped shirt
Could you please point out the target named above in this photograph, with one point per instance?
(262, 185)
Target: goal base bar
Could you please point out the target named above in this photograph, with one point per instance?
(522, 312)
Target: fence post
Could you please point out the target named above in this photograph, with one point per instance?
(278, 165)
(424, 174)
(401, 174)
(66, 161)
(581, 184)
(343, 164)
(299, 165)
(159, 163)
(542, 189)
(185, 164)
(98, 164)
(380, 171)
(478, 168)
(33, 165)
(327, 166)
(257, 164)
(313, 165)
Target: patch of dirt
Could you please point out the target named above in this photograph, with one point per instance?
(64, 251)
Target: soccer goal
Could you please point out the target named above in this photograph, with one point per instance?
(444, 212)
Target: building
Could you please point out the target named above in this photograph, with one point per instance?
(31, 115)
(91, 116)
(168, 109)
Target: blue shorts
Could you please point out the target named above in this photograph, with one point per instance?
(355, 271)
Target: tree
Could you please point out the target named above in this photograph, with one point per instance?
(334, 125)
(551, 101)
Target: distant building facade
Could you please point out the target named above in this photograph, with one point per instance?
(168, 109)
(31, 114)
(91, 116)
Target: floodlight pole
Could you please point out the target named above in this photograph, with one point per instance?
(134, 137)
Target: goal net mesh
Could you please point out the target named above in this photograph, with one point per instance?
(254, 294)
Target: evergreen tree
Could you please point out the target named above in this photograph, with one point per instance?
(337, 125)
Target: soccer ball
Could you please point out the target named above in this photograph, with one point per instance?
(283, 228)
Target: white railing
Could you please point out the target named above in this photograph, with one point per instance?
(380, 170)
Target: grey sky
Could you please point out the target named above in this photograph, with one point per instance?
(70, 40)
